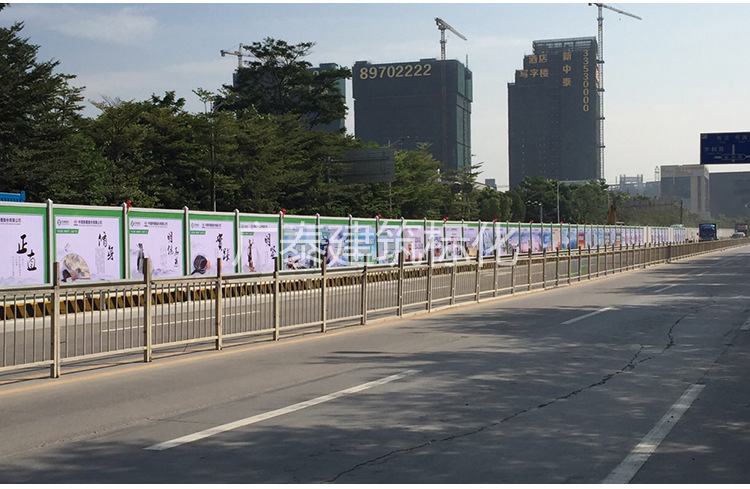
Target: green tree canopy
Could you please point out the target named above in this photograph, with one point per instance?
(278, 81)
(39, 118)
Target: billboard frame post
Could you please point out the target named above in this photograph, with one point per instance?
(147, 333)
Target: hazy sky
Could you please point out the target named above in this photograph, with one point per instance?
(681, 71)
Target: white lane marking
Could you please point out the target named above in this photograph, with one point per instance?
(278, 412)
(571, 321)
(665, 288)
(627, 469)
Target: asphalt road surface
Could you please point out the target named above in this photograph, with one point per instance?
(637, 377)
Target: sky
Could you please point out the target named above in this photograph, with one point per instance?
(680, 71)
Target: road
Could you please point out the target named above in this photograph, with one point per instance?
(637, 377)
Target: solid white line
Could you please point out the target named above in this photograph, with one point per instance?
(571, 321)
(627, 469)
(278, 412)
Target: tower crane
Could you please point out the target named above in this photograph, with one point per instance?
(600, 66)
(442, 25)
(237, 53)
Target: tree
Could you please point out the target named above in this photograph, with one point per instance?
(278, 81)
(590, 202)
(493, 205)
(462, 199)
(39, 118)
(417, 190)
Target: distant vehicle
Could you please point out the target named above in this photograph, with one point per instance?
(707, 231)
(738, 234)
(740, 227)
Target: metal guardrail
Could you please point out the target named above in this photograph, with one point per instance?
(50, 326)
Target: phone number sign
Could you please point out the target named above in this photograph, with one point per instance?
(721, 148)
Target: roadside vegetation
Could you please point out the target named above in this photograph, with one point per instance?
(253, 148)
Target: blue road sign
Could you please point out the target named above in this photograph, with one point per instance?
(721, 148)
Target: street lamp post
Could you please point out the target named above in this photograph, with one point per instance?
(541, 215)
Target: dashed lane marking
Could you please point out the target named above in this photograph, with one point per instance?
(627, 469)
(278, 412)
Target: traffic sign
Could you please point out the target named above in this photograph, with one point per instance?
(722, 148)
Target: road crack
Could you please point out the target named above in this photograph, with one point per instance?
(632, 363)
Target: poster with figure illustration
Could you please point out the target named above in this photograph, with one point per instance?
(502, 240)
(471, 240)
(299, 243)
(211, 240)
(525, 238)
(536, 238)
(362, 242)
(157, 236)
(88, 243)
(23, 248)
(435, 243)
(454, 242)
(334, 241)
(389, 241)
(514, 239)
(556, 237)
(413, 241)
(259, 243)
(547, 237)
(488, 244)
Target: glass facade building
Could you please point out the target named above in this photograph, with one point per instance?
(403, 104)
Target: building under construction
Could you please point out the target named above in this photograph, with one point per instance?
(554, 113)
(403, 104)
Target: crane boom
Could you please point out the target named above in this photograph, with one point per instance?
(443, 25)
(237, 53)
(604, 5)
(600, 69)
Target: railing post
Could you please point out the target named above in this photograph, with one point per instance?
(401, 283)
(323, 295)
(276, 301)
(147, 332)
(597, 261)
(430, 261)
(544, 268)
(453, 281)
(364, 292)
(478, 281)
(494, 274)
(512, 279)
(55, 332)
(627, 260)
(580, 262)
(219, 303)
(528, 285)
(589, 262)
(570, 252)
(557, 267)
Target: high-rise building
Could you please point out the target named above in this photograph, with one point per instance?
(689, 185)
(553, 113)
(403, 104)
